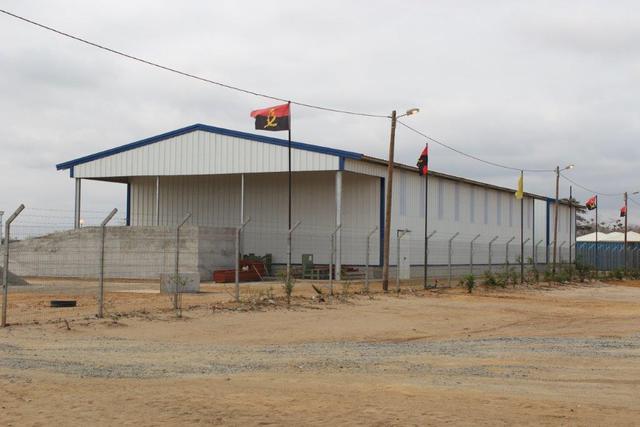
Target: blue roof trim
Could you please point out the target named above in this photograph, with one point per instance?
(210, 129)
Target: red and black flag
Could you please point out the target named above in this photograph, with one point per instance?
(272, 118)
(623, 212)
(423, 161)
(592, 203)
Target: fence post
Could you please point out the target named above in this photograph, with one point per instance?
(399, 235)
(103, 228)
(289, 250)
(451, 254)
(535, 254)
(177, 268)
(471, 253)
(237, 258)
(333, 250)
(1, 215)
(5, 273)
(366, 271)
(490, 252)
(560, 252)
(426, 270)
(506, 254)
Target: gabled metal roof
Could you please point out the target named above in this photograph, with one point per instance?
(211, 129)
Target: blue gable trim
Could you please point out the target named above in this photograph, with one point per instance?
(210, 129)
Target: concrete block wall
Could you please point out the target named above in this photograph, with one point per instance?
(130, 252)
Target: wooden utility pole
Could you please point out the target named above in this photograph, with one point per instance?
(388, 200)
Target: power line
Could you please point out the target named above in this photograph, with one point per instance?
(470, 155)
(185, 74)
(591, 190)
(275, 98)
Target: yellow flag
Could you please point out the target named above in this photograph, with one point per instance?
(520, 191)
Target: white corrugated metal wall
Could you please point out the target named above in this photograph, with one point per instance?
(202, 153)
(215, 200)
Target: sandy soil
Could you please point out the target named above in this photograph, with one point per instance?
(553, 355)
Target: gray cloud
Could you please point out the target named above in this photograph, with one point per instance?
(530, 84)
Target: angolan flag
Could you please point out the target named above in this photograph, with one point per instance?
(272, 118)
(423, 162)
(592, 203)
(623, 212)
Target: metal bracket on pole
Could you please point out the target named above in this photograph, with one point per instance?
(560, 251)
(176, 277)
(451, 254)
(506, 253)
(535, 253)
(289, 249)
(399, 235)
(237, 258)
(471, 253)
(103, 226)
(426, 271)
(5, 273)
(366, 271)
(490, 252)
(331, 255)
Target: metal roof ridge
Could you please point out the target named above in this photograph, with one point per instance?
(211, 129)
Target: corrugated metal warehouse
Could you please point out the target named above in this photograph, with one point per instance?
(222, 176)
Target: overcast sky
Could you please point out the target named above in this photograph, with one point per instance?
(529, 84)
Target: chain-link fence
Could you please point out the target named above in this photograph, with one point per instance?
(105, 267)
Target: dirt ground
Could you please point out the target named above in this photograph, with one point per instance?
(544, 355)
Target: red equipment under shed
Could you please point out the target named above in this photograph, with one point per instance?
(250, 271)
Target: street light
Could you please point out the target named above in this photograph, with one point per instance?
(387, 215)
(555, 215)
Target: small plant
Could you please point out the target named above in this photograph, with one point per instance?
(617, 274)
(512, 277)
(179, 282)
(288, 283)
(583, 271)
(344, 294)
(489, 279)
(469, 282)
(532, 276)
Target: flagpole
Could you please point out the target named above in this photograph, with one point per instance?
(597, 263)
(521, 230)
(426, 219)
(289, 220)
(626, 215)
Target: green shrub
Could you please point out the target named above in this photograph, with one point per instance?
(489, 279)
(469, 282)
(617, 274)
